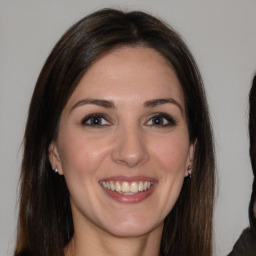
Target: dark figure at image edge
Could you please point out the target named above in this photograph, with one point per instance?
(246, 244)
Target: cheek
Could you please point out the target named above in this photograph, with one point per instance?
(81, 161)
(171, 156)
(172, 153)
(81, 155)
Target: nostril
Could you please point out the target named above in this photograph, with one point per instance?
(130, 151)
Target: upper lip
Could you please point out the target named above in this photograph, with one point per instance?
(128, 178)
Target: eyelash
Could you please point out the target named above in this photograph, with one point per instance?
(100, 117)
(165, 120)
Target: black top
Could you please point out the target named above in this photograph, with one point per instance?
(245, 245)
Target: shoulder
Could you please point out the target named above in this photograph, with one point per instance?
(245, 245)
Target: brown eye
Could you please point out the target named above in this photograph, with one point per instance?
(161, 120)
(95, 120)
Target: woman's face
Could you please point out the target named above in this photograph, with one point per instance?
(123, 143)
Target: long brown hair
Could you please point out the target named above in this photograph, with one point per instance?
(252, 133)
(45, 221)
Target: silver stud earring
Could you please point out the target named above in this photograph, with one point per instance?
(56, 171)
(189, 171)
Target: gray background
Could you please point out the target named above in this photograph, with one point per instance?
(220, 34)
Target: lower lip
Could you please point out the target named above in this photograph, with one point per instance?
(132, 199)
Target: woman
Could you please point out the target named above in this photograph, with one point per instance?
(246, 244)
(119, 113)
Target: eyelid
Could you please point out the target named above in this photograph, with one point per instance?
(171, 121)
(95, 115)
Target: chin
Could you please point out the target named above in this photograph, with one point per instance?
(133, 228)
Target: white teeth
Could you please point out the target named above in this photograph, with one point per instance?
(112, 186)
(126, 187)
(134, 187)
(140, 186)
(118, 187)
(145, 185)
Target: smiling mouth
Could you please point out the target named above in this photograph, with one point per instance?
(127, 188)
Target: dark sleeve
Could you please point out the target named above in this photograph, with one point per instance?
(245, 245)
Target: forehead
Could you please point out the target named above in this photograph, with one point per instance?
(129, 73)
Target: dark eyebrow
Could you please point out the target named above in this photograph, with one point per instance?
(156, 102)
(98, 102)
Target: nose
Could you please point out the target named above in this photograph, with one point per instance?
(130, 148)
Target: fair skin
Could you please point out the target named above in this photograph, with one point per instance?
(124, 149)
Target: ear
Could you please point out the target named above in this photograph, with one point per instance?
(190, 158)
(54, 158)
